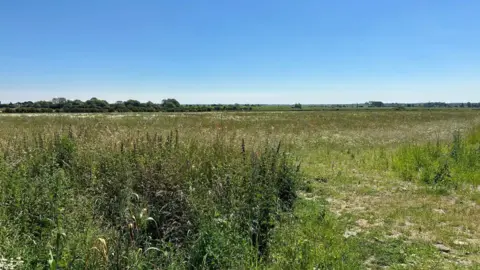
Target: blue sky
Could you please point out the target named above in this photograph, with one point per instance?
(241, 51)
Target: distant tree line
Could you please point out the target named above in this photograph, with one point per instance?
(424, 105)
(94, 105)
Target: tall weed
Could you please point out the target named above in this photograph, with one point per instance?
(145, 201)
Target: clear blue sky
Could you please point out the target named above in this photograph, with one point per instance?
(244, 51)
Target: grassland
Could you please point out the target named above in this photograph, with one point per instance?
(215, 190)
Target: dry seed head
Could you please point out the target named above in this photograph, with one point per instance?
(102, 248)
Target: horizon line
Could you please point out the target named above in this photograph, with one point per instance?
(255, 103)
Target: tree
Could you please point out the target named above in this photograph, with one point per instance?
(60, 100)
(132, 103)
(170, 103)
(97, 105)
(297, 106)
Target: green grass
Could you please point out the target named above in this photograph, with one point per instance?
(214, 191)
(313, 239)
(442, 164)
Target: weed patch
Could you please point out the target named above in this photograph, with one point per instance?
(147, 201)
(442, 165)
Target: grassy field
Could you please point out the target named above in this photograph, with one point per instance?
(257, 190)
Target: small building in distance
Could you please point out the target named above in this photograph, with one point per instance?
(375, 104)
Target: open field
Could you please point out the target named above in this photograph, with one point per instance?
(265, 190)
